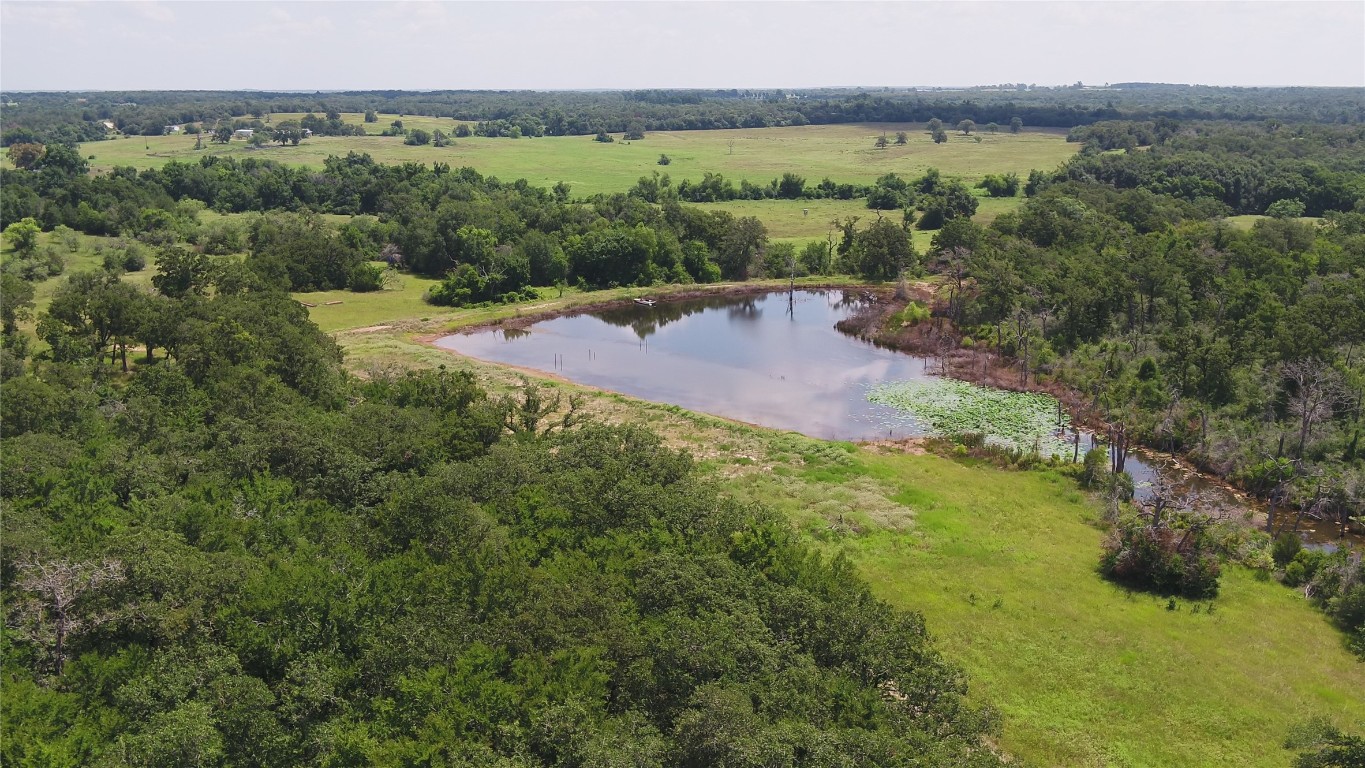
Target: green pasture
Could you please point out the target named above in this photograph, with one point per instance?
(814, 219)
(382, 124)
(844, 153)
(1247, 221)
(1003, 566)
(82, 260)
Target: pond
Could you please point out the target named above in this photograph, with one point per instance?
(773, 359)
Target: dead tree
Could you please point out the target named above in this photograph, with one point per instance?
(524, 416)
(52, 610)
(1118, 447)
(1318, 390)
(1164, 500)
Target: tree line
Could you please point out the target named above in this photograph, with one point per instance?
(47, 117)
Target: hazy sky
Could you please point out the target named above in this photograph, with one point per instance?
(551, 45)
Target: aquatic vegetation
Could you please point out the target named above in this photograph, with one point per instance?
(1021, 420)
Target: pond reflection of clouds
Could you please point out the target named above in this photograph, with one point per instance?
(747, 358)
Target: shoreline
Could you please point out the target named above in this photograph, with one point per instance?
(934, 338)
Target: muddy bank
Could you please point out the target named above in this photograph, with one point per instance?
(938, 338)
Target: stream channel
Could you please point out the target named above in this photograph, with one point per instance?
(773, 359)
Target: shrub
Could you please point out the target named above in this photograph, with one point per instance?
(1285, 209)
(815, 258)
(1162, 559)
(1294, 574)
(1000, 185)
(222, 238)
(365, 277)
(664, 160)
(1094, 468)
(67, 236)
(1287, 546)
(125, 256)
(913, 314)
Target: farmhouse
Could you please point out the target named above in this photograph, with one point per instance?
(243, 133)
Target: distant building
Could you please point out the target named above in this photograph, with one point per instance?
(109, 125)
(307, 132)
(168, 130)
(243, 133)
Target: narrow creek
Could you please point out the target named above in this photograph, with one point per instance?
(773, 359)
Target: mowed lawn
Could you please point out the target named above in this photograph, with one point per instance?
(1003, 566)
(844, 153)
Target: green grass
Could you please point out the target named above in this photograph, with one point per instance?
(1003, 566)
(382, 124)
(1247, 221)
(83, 260)
(844, 153)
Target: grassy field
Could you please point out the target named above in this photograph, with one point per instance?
(382, 124)
(844, 153)
(1247, 221)
(1002, 565)
(83, 260)
(812, 219)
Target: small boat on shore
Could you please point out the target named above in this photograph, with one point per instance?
(645, 302)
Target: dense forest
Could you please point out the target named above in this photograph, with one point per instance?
(240, 556)
(47, 117)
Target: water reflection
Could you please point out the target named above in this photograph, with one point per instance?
(645, 321)
(724, 355)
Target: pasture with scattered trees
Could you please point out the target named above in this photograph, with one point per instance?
(223, 547)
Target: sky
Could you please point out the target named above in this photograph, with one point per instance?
(278, 45)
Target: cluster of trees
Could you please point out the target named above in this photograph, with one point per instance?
(47, 117)
(235, 554)
(936, 199)
(1247, 168)
(715, 188)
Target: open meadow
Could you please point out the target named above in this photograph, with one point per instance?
(844, 153)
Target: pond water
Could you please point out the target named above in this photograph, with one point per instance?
(773, 359)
